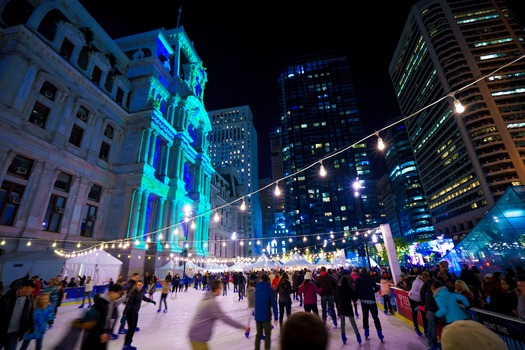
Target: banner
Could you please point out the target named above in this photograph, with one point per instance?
(510, 329)
(403, 305)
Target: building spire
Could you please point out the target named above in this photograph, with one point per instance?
(178, 18)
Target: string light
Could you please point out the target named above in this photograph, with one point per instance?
(216, 217)
(322, 170)
(380, 143)
(277, 191)
(29, 243)
(187, 209)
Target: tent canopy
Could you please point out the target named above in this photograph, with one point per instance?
(162, 272)
(297, 261)
(323, 262)
(46, 264)
(263, 262)
(100, 265)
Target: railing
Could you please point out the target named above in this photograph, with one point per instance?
(510, 329)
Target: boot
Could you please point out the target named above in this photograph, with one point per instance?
(418, 332)
(81, 306)
(358, 337)
(380, 335)
(343, 337)
(367, 333)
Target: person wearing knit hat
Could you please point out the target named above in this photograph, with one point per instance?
(470, 335)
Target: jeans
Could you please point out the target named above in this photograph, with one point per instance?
(330, 300)
(413, 305)
(267, 327)
(133, 319)
(352, 323)
(432, 328)
(163, 299)
(25, 343)
(312, 308)
(285, 305)
(387, 303)
(372, 309)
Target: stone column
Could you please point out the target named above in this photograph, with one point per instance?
(142, 213)
(134, 219)
(152, 145)
(146, 137)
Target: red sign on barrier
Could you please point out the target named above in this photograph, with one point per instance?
(403, 305)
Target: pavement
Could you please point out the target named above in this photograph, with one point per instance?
(169, 330)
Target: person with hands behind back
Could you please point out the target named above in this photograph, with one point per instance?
(265, 303)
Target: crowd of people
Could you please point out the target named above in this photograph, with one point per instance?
(440, 297)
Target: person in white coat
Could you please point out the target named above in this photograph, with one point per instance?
(414, 297)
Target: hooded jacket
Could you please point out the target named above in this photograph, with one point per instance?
(448, 307)
(207, 313)
(328, 283)
(265, 302)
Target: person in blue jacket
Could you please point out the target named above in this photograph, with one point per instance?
(265, 303)
(447, 303)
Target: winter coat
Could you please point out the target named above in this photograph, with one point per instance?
(207, 313)
(265, 302)
(7, 305)
(284, 290)
(366, 288)
(448, 307)
(134, 299)
(104, 306)
(309, 290)
(385, 286)
(40, 319)
(345, 298)
(328, 283)
(250, 295)
(414, 292)
(427, 297)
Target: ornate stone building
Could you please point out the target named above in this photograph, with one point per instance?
(102, 140)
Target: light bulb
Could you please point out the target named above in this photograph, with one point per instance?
(216, 218)
(277, 191)
(380, 144)
(322, 171)
(458, 106)
(243, 206)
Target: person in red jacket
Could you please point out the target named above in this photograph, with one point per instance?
(308, 290)
(36, 291)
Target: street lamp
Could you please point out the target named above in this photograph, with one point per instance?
(184, 253)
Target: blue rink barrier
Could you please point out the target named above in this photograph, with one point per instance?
(75, 294)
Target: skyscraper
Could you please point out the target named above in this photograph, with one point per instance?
(451, 50)
(321, 127)
(233, 143)
(410, 216)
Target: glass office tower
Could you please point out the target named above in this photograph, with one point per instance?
(321, 125)
(469, 51)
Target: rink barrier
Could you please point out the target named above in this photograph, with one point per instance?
(510, 329)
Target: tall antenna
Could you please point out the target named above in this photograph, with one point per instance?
(178, 18)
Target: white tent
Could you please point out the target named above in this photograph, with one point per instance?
(263, 263)
(238, 266)
(162, 272)
(46, 264)
(297, 261)
(323, 262)
(98, 264)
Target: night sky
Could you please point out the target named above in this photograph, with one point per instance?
(244, 46)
